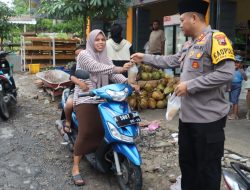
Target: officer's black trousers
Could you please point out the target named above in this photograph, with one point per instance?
(201, 147)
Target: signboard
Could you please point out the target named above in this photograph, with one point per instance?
(171, 20)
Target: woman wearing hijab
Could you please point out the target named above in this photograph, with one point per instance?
(90, 132)
(119, 49)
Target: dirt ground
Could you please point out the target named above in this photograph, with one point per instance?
(32, 157)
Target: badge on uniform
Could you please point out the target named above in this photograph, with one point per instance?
(221, 48)
(191, 53)
(195, 65)
(200, 38)
(221, 39)
(198, 55)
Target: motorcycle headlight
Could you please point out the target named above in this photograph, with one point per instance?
(115, 133)
(118, 96)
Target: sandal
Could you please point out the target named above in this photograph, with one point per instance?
(78, 180)
(66, 128)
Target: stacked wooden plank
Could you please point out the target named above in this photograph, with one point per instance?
(48, 51)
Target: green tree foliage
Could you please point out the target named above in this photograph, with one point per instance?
(72, 9)
(59, 26)
(21, 7)
(5, 27)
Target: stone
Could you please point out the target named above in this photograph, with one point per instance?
(154, 169)
(234, 157)
(227, 162)
(223, 164)
(29, 115)
(35, 97)
(243, 159)
(161, 144)
(248, 164)
(26, 182)
(174, 135)
(172, 178)
(46, 101)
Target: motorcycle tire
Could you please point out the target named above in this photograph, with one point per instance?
(131, 178)
(4, 112)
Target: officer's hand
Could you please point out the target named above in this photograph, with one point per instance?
(137, 57)
(181, 89)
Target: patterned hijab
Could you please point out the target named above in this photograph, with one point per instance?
(101, 57)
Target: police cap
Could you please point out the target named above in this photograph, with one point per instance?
(198, 6)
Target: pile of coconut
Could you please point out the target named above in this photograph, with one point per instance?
(155, 88)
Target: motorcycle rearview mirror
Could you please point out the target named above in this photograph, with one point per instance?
(82, 74)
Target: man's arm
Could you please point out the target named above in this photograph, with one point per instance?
(243, 74)
(168, 61)
(75, 80)
(80, 83)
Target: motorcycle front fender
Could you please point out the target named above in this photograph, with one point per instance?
(130, 151)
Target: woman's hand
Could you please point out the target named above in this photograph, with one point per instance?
(123, 69)
(83, 86)
(137, 57)
(126, 66)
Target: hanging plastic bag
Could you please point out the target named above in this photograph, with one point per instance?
(174, 104)
(132, 74)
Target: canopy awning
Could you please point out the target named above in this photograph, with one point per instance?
(22, 20)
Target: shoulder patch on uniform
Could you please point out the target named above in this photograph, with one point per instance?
(221, 48)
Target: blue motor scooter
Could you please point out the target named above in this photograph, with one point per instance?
(117, 153)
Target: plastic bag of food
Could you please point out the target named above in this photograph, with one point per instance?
(174, 104)
(132, 74)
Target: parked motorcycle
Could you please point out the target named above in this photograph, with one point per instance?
(117, 153)
(7, 87)
(237, 179)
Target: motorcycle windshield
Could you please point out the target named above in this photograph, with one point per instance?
(114, 92)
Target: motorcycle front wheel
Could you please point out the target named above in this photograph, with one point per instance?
(4, 112)
(131, 178)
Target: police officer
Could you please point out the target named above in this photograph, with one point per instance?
(207, 64)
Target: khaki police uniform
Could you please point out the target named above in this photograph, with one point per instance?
(207, 64)
(205, 101)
